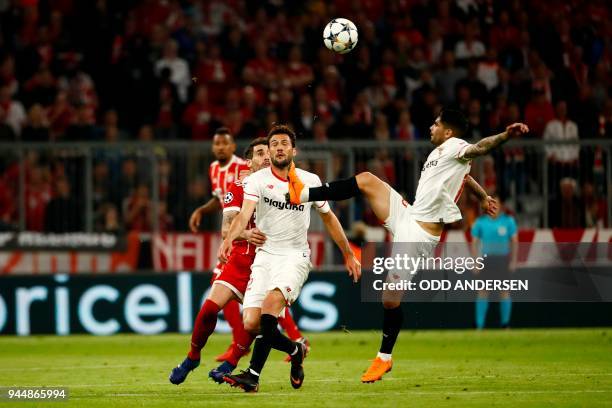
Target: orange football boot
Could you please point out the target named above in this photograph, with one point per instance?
(377, 369)
(295, 186)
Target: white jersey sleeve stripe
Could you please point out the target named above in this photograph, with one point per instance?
(229, 209)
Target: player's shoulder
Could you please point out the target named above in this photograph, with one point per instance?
(307, 176)
(213, 164)
(257, 177)
(240, 161)
(454, 143)
(259, 174)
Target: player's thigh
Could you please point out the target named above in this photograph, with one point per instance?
(288, 274)
(221, 294)
(259, 281)
(274, 303)
(377, 193)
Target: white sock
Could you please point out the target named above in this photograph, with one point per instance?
(253, 372)
(384, 356)
(304, 194)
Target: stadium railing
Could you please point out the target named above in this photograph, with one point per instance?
(527, 173)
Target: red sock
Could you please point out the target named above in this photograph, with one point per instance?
(240, 346)
(203, 327)
(232, 315)
(288, 324)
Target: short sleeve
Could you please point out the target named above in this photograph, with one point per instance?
(477, 229)
(232, 201)
(251, 189)
(321, 206)
(512, 227)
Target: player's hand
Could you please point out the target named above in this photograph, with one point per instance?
(516, 130)
(195, 219)
(255, 237)
(489, 205)
(225, 250)
(353, 266)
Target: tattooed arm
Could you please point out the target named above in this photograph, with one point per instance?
(487, 203)
(487, 144)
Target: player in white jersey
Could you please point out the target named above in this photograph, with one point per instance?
(282, 264)
(443, 177)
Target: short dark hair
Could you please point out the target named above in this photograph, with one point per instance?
(223, 131)
(248, 152)
(282, 130)
(454, 120)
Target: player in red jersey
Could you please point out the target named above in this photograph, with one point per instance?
(223, 173)
(230, 285)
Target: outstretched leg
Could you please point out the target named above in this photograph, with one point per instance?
(367, 184)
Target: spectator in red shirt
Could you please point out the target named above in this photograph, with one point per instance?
(198, 115)
(504, 35)
(538, 112)
(215, 72)
(137, 209)
(295, 73)
(61, 115)
(37, 196)
(262, 65)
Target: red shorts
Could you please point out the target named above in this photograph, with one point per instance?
(236, 274)
(216, 272)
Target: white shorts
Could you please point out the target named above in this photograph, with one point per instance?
(409, 238)
(287, 272)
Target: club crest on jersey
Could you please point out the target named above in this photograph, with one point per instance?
(229, 196)
(270, 186)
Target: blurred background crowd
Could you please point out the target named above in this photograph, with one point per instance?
(154, 70)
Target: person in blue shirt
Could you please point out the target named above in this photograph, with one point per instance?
(495, 236)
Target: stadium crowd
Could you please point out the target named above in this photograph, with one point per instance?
(175, 70)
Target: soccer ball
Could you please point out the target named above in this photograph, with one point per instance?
(340, 35)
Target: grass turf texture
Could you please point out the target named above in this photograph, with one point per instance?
(431, 368)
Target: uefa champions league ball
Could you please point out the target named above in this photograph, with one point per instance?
(340, 35)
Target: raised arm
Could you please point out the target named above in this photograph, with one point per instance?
(336, 232)
(211, 206)
(485, 145)
(487, 203)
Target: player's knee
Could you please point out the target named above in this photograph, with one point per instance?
(365, 179)
(251, 325)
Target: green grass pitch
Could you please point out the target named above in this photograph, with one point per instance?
(432, 368)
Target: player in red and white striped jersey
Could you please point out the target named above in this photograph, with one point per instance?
(223, 172)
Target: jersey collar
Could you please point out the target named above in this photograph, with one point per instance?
(277, 176)
(229, 163)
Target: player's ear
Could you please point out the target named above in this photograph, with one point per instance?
(249, 162)
(294, 152)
